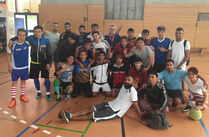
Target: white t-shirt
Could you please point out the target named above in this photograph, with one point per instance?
(178, 52)
(103, 44)
(197, 87)
(124, 100)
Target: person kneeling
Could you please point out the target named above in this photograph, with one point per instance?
(108, 110)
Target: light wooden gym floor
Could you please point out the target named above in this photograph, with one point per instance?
(43, 114)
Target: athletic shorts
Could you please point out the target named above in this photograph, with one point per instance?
(65, 84)
(103, 112)
(36, 68)
(197, 98)
(22, 73)
(174, 94)
(105, 87)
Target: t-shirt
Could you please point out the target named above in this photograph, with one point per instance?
(102, 45)
(66, 76)
(197, 88)
(144, 55)
(20, 55)
(178, 52)
(54, 39)
(160, 57)
(124, 100)
(173, 81)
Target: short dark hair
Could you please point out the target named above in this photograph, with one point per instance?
(82, 26)
(130, 30)
(124, 37)
(137, 59)
(72, 36)
(82, 51)
(194, 70)
(152, 72)
(179, 29)
(101, 52)
(22, 29)
(161, 28)
(145, 31)
(38, 27)
(67, 23)
(87, 40)
(94, 25)
(128, 75)
(169, 60)
(119, 55)
(140, 38)
(95, 32)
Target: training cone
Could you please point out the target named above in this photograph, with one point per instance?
(195, 114)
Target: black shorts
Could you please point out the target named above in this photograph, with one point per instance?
(174, 94)
(103, 112)
(85, 87)
(36, 68)
(64, 84)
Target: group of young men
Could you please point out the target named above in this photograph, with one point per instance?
(124, 67)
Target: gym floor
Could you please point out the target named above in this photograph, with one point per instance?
(38, 118)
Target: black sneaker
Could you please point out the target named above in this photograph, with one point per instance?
(59, 115)
(186, 109)
(65, 116)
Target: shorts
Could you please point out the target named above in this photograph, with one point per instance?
(197, 98)
(105, 87)
(36, 68)
(22, 73)
(174, 94)
(65, 84)
(103, 112)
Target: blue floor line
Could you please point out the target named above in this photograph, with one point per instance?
(39, 118)
(202, 124)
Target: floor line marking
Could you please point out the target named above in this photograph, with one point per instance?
(122, 127)
(59, 128)
(89, 124)
(40, 117)
(8, 119)
(202, 124)
(46, 132)
(5, 82)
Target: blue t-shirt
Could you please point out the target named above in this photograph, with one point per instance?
(173, 81)
(160, 57)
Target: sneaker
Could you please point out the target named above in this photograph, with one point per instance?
(38, 96)
(49, 97)
(65, 116)
(12, 103)
(24, 98)
(186, 109)
(59, 115)
(58, 98)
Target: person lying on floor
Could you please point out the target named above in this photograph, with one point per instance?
(108, 110)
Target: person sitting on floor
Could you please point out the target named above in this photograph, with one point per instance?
(108, 110)
(196, 91)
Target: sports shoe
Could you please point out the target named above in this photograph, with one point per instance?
(58, 98)
(49, 97)
(12, 103)
(186, 109)
(59, 115)
(65, 116)
(24, 98)
(38, 96)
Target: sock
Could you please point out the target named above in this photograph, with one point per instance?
(57, 89)
(47, 93)
(13, 92)
(23, 87)
(47, 85)
(37, 84)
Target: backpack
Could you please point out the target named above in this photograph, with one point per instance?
(185, 42)
(157, 120)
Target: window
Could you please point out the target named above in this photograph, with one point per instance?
(203, 17)
(124, 9)
(3, 1)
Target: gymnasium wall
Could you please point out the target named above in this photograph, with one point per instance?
(169, 15)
